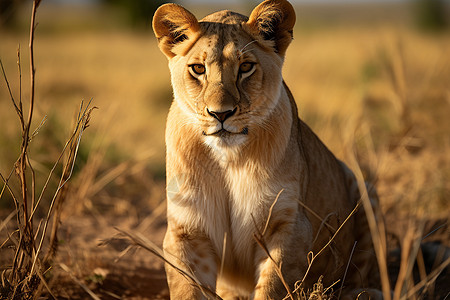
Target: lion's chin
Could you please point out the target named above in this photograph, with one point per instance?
(226, 144)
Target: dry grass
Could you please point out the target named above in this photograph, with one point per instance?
(378, 97)
(26, 276)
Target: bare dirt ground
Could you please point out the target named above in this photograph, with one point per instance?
(108, 269)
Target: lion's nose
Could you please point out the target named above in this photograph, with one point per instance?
(222, 115)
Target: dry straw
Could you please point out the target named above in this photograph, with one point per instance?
(28, 274)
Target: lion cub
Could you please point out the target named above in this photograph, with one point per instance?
(234, 145)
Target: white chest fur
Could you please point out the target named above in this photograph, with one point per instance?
(248, 203)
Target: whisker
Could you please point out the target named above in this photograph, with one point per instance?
(242, 52)
(248, 44)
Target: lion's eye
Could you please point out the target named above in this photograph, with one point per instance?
(246, 67)
(198, 69)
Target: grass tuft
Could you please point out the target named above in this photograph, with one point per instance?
(27, 276)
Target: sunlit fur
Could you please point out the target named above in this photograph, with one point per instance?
(222, 178)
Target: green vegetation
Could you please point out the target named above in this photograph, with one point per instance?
(432, 15)
(139, 12)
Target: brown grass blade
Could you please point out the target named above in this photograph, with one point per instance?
(141, 241)
(77, 281)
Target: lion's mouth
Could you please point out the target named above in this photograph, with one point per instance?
(225, 133)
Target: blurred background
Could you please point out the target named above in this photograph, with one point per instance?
(374, 75)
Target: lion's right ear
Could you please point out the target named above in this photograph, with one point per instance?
(172, 25)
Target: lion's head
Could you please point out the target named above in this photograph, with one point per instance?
(226, 68)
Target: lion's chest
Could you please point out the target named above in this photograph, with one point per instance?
(247, 202)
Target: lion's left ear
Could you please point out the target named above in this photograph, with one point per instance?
(274, 20)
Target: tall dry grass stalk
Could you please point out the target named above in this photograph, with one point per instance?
(373, 215)
(35, 240)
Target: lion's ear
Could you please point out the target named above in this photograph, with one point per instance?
(172, 25)
(274, 20)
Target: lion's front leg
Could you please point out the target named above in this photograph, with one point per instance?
(287, 242)
(191, 252)
(269, 284)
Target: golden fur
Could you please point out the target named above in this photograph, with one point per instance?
(234, 141)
